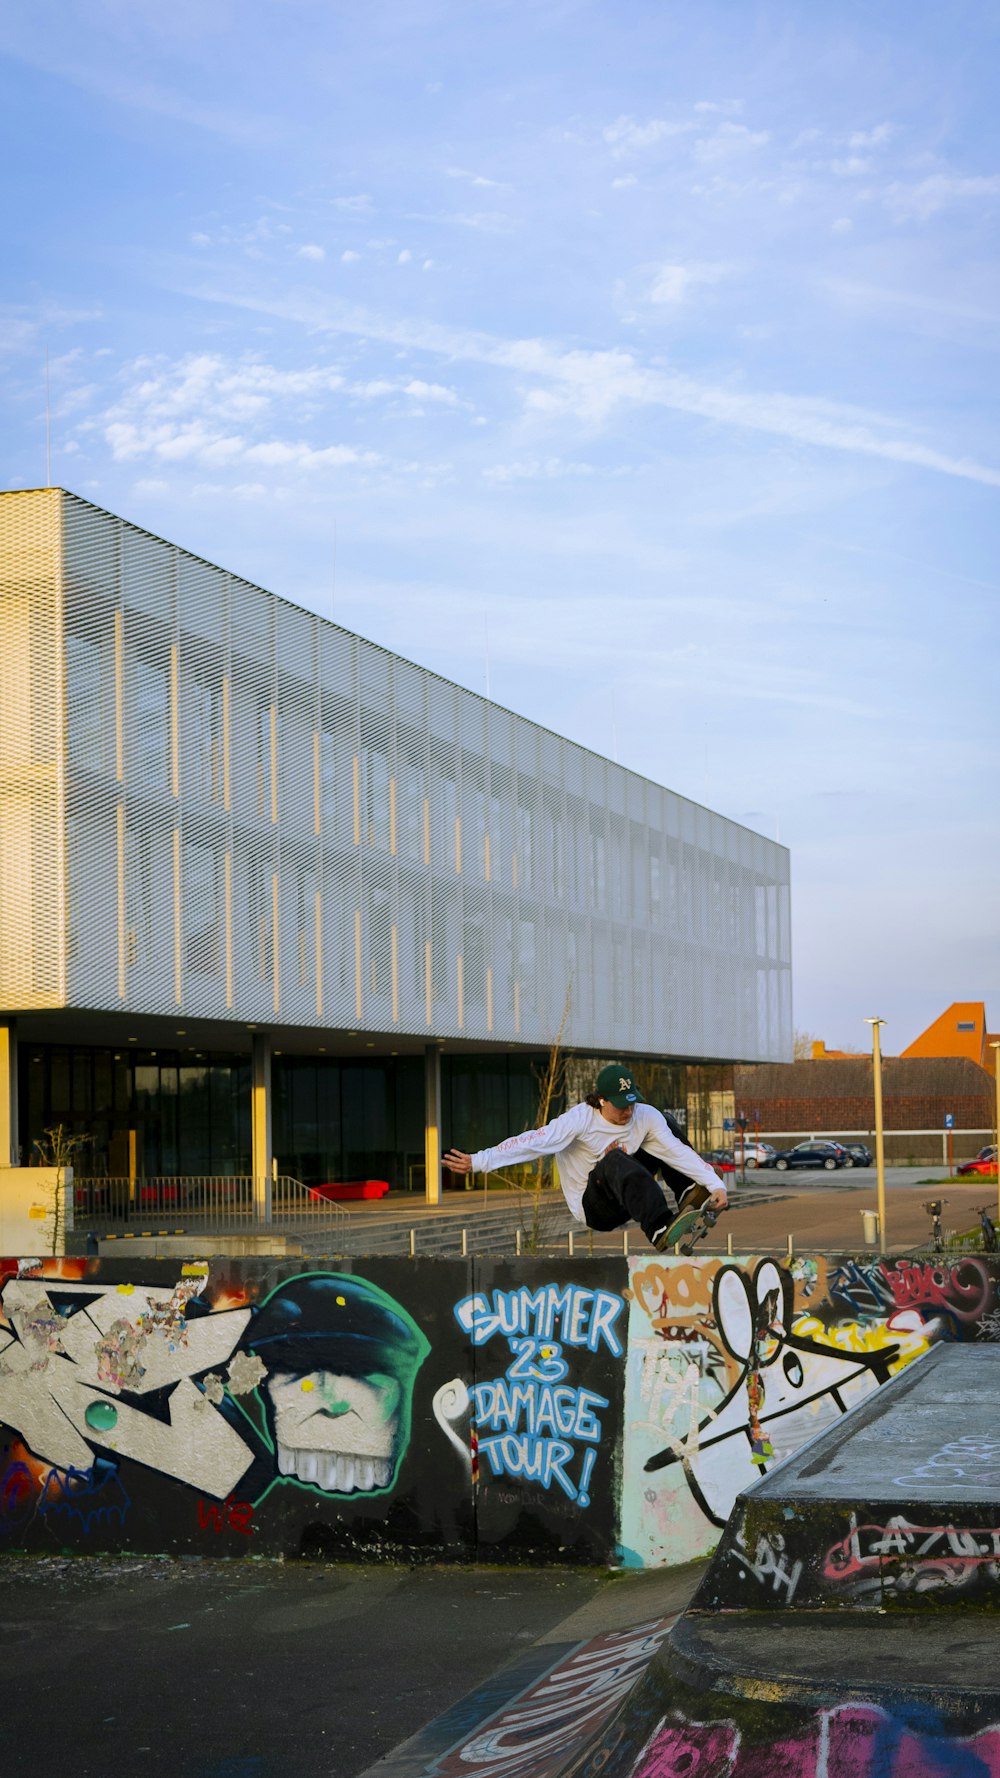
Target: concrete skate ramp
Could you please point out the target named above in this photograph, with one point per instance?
(849, 1623)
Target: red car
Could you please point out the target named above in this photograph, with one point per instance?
(984, 1163)
(721, 1159)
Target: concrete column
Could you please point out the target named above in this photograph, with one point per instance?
(260, 1125)
(432, 1123)
(9, 1139)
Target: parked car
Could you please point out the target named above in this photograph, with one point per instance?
(810, 1154)
(721, 1159)
(984, 1163)
(858, 1155)
(755, 1154)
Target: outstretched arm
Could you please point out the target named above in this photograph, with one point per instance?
(530, 1145)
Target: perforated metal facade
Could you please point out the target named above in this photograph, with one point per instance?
(216, 804)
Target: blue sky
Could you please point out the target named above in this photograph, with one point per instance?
(637, 359)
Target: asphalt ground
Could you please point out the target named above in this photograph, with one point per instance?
(153, 1668)
(823, 1211)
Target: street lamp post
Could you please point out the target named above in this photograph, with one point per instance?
(995, 1048)
(879, 1136)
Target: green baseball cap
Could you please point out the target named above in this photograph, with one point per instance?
(618, 1085)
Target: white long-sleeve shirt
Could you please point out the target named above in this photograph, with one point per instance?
(581, 1136)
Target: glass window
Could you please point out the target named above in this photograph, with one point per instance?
(204, 739)
(375, 775)
(598, 881)
(150, 725)
(89, 710)
(368, 1122)
(410, 811)
(525, 846)
(261, 917)
(263, 734)
(204, 943)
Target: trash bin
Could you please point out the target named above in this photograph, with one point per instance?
(869, 1219)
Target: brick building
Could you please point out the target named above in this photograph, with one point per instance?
(832, 1096)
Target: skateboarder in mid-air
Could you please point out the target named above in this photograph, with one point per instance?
(609, 1149)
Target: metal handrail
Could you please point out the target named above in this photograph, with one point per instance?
(206, 1203)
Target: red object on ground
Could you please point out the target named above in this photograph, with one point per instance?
(354, 1188)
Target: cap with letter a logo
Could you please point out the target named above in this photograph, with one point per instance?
(617, 1084)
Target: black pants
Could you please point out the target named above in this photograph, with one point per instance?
(621, 1189)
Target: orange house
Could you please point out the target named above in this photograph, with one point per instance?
(961, 1031)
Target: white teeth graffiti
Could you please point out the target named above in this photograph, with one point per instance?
(336, 1472)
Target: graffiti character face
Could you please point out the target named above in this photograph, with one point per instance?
(338, 1432)
(341, 1359)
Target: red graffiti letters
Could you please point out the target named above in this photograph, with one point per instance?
(945, 1548)
(965, 1288)
(236, 1515)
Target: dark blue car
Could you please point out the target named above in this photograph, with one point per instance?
(811, 1154)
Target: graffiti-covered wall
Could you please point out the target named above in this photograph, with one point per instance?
(576, 1410)
(429, 1408)
(733, 1364)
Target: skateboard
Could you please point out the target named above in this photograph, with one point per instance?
(691, 1226)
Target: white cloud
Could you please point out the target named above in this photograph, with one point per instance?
(842, 226)
(428, 265)
(415, 388)
(474, 178)
(404, 257)
(674, 283)
(851, 168)
(537, 469)
(730, 139)
(285, 454)
(197, 442)
(627, 136)
(593, 386)
(205, 410)
(623, 184)
(939, 192)
(17, 334)
(923, 308)
(422, 391)
(201, 240)
(348, 257)
(356, 205)
(204, 384)
(486, 222)
(871, 138)
(312, 251)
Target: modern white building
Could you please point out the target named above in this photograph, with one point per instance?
(245, 854)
